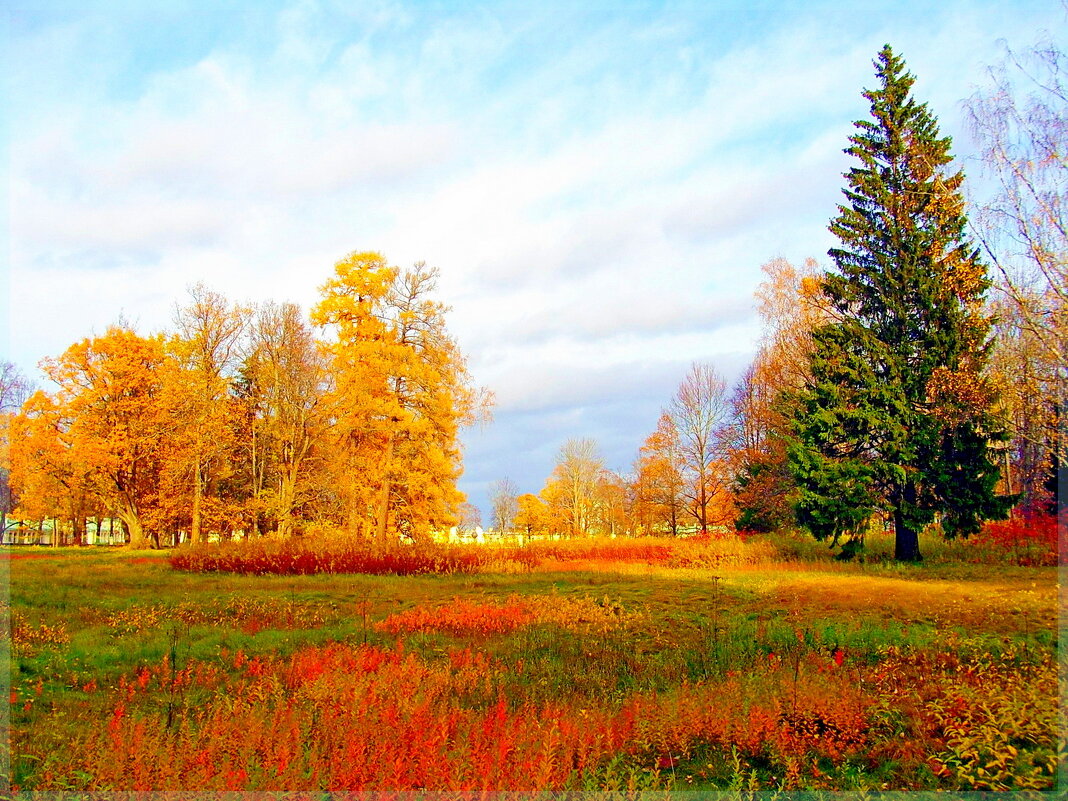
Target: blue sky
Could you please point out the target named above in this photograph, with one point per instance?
(599, 183)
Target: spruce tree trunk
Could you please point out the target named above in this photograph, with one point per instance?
(906, 538)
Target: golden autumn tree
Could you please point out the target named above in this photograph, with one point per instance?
(659, 483)
(49, 474)
(532, 515)
(282, 387)
(791, 306)
(1020, 364)
(207, 350)
(363, 418)
(614, 504)
(571, 490)
(111, 389)
(400, 393)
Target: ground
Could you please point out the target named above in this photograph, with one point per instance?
(586, 674)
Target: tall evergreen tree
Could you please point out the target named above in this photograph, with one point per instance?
(896, 415)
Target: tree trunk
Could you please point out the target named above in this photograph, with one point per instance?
(138, 538)
(255, 487)
(906, 538)
(287, 494)
(77, 525)
(198, 491)
(702, 506)
(383, 498)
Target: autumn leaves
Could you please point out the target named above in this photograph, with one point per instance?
(245, 420)
(400, 391)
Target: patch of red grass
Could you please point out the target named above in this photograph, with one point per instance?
(339, 717)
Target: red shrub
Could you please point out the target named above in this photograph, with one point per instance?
(1026, 540)
(260, 557)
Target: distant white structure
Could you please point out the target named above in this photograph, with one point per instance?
(454, 535)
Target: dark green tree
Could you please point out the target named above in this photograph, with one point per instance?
(896, 416)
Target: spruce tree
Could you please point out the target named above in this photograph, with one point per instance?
(897, 416)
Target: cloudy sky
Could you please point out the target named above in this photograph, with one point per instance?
(598, 182)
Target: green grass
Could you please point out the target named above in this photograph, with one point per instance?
(120, 611)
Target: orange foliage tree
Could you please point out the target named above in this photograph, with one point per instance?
(207, 350)
(658, 481)
(532, 515)
(284, 439)
(400, 393)
(48, 473)
(791, 306)
(112, 392)
(571, 490)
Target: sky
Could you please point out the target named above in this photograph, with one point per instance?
(599, 183)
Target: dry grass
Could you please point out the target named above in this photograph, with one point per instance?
(991, 605)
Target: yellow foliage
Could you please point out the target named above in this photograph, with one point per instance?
(958, 395)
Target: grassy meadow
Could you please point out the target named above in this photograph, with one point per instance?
(734, 666)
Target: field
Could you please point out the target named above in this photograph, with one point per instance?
(763, 667)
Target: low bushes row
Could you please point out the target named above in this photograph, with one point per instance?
(261, 557)
(1031, 540)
